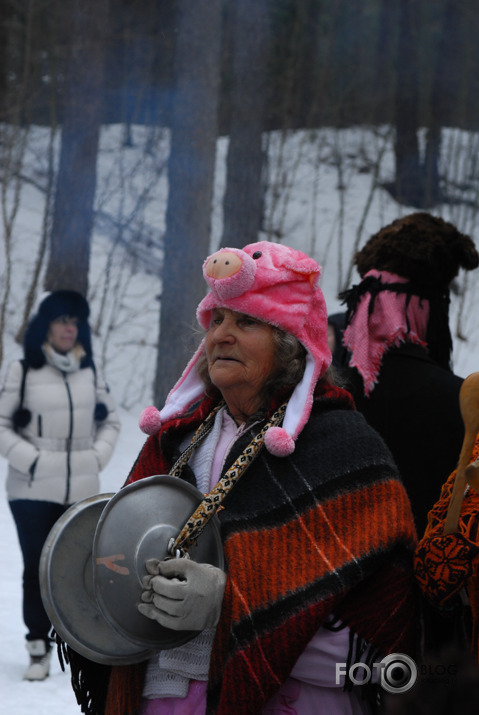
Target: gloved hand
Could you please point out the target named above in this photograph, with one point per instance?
(182, 595)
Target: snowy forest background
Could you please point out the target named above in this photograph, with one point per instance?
(138, 136)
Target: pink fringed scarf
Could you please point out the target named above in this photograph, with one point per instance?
(396, 318)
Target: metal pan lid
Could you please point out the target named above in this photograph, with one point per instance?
(136, 525)
(66, 583)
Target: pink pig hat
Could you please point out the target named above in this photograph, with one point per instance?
(277, 285)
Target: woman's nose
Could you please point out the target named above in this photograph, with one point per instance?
(224, 332)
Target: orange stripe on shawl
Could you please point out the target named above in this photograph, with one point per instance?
(326, 551)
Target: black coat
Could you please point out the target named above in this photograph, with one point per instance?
(415, 408)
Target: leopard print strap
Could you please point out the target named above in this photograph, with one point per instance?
(209, 506)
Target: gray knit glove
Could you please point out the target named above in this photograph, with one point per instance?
(182, 595)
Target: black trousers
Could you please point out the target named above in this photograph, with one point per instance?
(34, 520)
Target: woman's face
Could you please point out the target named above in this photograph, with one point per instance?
(63, 333)
(241, 356)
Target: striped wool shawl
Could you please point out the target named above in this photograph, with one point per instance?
(327, 531)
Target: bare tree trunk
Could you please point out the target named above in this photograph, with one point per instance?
(49, 196)
(13, 143)
(408, 187)
(14, 140)
(383, 98)
(191, 172)
(243, 200)
(5, 14)
(448, 71)
(73, 212)
(32, 290)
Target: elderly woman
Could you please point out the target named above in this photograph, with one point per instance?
(317, 532)
(58, 428)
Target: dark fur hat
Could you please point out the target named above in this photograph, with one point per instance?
(423, 248)
(60, 302)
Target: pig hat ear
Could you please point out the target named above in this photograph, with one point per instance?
(277, 285)
(185, 393)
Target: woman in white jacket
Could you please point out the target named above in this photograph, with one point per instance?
(58, 429)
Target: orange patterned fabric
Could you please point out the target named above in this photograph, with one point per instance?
(444, 564)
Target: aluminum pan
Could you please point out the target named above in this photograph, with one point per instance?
(66, 582)
(137, 524)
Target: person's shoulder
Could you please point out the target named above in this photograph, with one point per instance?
(341, 444)
(331, 396)
(11, 377)
(410, 368)
(15, 370)
(411, 354)
(89, 372)
(346, 424)
(350, 419)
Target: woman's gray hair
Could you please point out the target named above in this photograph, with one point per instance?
(290, 360)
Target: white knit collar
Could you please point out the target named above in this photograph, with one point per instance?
(68, 362)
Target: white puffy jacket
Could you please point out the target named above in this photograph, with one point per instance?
(59, 454)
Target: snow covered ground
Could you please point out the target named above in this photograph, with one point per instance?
(318, 202)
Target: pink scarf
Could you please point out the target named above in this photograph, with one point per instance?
(396, 318)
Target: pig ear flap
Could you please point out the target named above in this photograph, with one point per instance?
(185, 393)
(281, 441)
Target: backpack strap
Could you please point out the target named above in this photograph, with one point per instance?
(21, 417)
(24, 365)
